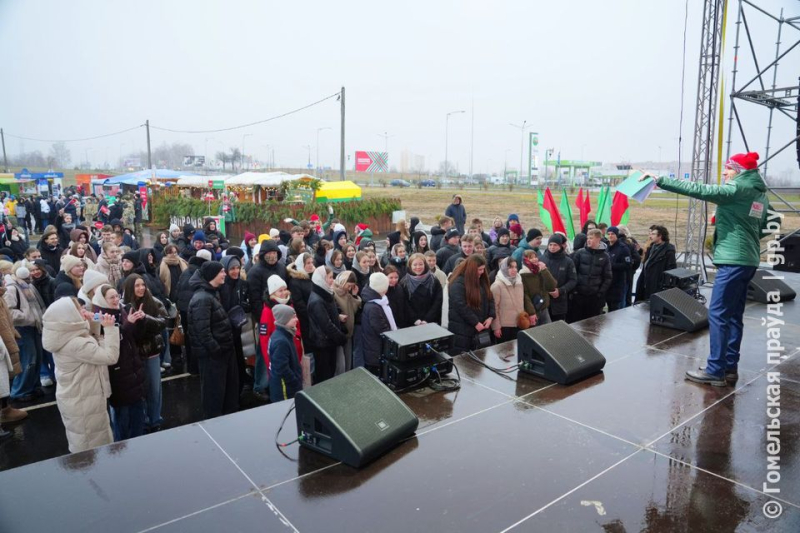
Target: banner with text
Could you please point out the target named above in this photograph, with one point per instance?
(372, 161)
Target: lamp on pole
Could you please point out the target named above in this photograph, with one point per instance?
(319, 130)
(521, 145)
(446, 136)
(243, 138)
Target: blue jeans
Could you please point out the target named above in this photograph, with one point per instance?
(260, 377)
(30, 358)
(48, 367)
(166, 356)
(725, 317)
(128, 420)
(152, 385)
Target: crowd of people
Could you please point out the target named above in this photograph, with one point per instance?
(92, 313)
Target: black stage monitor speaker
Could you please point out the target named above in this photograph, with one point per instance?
(763, 283)
(353, 418)
(557, 353)
(791, 254)
(675, 309)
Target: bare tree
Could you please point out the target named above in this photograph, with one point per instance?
(60, 155)
(222, 156)
(236, 155)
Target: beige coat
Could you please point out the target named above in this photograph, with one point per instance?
(348, 305)
(23, 312)
(9, 336)
(509, 302)
(82, 374)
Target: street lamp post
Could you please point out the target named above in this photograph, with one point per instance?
(521, 145)
(308, 147)
(446, 136)
(319, 130)
(243, 138)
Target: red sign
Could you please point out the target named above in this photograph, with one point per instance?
(143, 194)
(363, 161)
(210, 183)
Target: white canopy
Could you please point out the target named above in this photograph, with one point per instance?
(264, 179)
(200, 181)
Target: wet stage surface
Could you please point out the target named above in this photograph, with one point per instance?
(636, 448)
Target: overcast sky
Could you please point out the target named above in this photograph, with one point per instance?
(598, 80)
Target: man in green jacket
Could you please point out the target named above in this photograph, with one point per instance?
(741, 215)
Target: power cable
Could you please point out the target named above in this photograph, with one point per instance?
(75, 140)
(251, 123)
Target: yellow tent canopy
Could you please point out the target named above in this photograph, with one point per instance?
(338, 191)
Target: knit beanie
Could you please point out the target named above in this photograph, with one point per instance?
(283, 314)
(199, 235)
(740, 162)
(248, 236)
(501, 232)
(68, 262)
(274, 233)
(173, 227)
(274, 283)
(532, 234)
(235, 251)
(93, 279)
(379, 283)
(23, 273)
(451, 233)
(203, 254)
(515, 228)
(133, 257)
(556, 238)
(210, 269)
(614, 230)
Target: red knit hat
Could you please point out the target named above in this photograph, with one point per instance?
(361, 226)
(740, 162)
(314, 217)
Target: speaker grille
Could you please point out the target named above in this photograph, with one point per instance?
(362, 407)
(559, 338)
(763, 283)
(683, 303)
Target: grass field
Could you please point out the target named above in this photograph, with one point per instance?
(661, 208)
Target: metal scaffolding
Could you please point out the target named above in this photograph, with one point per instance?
(703, 143)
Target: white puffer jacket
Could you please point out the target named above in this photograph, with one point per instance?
(82, 374)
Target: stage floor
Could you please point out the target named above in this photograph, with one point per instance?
(632, 449)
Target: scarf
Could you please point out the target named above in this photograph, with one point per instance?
(424, 280)
(532, 268)
(503, 276)
(384, 303)
(35, 302)
(318, 279)
(284, 301)
(287, 328)
(172, 260)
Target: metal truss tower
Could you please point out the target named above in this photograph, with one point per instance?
(704, 119)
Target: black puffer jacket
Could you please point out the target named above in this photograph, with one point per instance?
(620, 256)
(437, 237)
(46, 287)
(258, 275)
(63, 279)
(149, 339)
(462, 318)
(210, 331)
(498, 252)
(127, 376)
(373, 323)
(323, 316)
(562, 268)
(444, 253)
(425, 303)
(184, 290)
(593, 267)
(300, 286)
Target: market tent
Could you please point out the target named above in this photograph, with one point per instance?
(193, 180)
(262, 179)
(133, 178)
(338, 191)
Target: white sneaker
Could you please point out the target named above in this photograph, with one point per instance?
(166, 365)
(47, 382)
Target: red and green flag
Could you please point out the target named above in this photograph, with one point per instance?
(619, 209)
(557, 225)
(604, 206)
(543, 213)
(583, 205)
(567, 210)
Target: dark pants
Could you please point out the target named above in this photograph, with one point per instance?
(219, 385)
(325, 362)
(556, 318)
(506, 334)
(587, 306)
(191, 361)
(128, 420)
